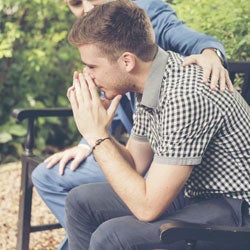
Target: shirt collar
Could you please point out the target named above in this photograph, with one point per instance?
(151, 93)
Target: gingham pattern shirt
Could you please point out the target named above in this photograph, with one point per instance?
(188, 124)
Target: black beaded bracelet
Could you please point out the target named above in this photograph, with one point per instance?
(98, 142)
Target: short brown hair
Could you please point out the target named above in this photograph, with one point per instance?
(116, 27)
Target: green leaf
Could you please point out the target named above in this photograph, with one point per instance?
(17, 130)
(5, 137)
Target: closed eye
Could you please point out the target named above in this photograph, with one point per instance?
(90, 66)
(75, 3)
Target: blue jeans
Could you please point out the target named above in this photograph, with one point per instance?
(53, 188)
(98, 219)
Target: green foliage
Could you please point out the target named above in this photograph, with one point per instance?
(37, 63)
(36, 67)
(228, 21)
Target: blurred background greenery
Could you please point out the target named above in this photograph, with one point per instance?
(37, 63)
(228, 21)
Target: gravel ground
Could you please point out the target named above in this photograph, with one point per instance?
(9, 199)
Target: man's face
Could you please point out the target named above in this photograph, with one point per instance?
(108, 76)
(81, 7)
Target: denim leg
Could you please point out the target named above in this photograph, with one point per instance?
(92, 207)
(53, 188)
(88, 206)
(98, 219)
(128, 233)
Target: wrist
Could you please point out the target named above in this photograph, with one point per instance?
(217, 53)
(91, 140)
(87, 147)
(99, 141)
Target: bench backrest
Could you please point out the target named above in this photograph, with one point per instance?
(241, 68)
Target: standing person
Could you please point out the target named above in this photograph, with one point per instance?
(54, 178)
(193, 144)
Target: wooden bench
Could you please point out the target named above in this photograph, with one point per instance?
(30, 161)
(193, 232)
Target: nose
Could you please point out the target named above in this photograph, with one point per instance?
(87, 6)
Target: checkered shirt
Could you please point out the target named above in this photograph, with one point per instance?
(188, 124)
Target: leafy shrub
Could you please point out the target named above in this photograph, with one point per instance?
(228, 21)
(36, 67)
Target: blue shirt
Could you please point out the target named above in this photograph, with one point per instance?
(173, 34)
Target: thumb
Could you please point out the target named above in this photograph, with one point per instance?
(113, 106)
(189, 60)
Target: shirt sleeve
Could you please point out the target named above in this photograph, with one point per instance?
(188, 126)
(170, 31)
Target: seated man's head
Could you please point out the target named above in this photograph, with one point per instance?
(114, 40)
(116, 27)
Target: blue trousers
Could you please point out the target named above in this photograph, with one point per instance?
(54, 188)
(96, 218)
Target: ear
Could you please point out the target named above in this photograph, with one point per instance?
(127, 61)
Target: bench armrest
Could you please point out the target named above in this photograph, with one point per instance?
(176, 231)
(21, 114)
(31, 115)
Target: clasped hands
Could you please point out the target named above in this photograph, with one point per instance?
(93, 116)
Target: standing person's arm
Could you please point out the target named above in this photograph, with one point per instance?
(173, 34)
